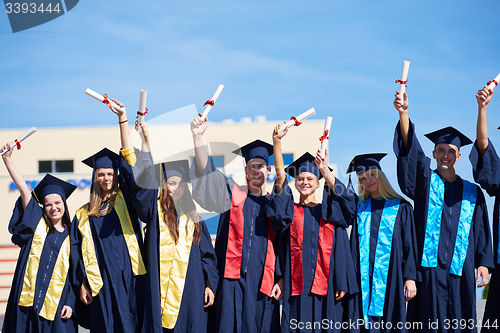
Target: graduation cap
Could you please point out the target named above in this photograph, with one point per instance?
(179, 168)
(53, 185)
(449, 135)
(365, 162)
(255, 149)
(304, 163)
(105, 158)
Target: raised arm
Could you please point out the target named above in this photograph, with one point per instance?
(198, 128)
(123, 122)
(483, 97)
(404, 120)
(279, 165)
(322, 164)
(16, 176)
(144, 134)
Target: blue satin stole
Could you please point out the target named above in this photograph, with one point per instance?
(373, 300)
(433, 227)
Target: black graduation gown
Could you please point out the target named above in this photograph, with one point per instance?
(239, 304)
(202, 266)
(402, 266)
(118, 306)
(441, 295)
(487, 174)
(22, 226)
(309, 312)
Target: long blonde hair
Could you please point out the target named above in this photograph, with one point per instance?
(96, 197)
(384, 188)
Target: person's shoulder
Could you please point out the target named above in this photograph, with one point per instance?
(404, 203)
(83, 209)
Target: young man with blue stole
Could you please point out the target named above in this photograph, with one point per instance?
(453, 233)
(250, 281)
(486, 167)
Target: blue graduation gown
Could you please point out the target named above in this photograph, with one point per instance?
(487, 174)
(309, 312)
(18, 318)
(402, 265)
(442, 295)
(239, 304)
(118, 306)
(192, 316)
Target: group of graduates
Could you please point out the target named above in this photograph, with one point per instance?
(400, 269)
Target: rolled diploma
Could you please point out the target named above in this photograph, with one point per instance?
(142, 108)
(300, 118)
(21, 138)
(404, 76)
(99, 97)
(324, 144)
(492, 85)
(214, 98)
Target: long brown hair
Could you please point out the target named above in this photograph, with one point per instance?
(66, 220)
(185, 206)
(96, 197)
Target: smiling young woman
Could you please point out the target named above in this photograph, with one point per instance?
(182, 272)
(383, 247)
(107, 243)
(41, 298)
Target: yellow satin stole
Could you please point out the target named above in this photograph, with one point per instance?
(88, 250)
(174, 259)
(58, 278)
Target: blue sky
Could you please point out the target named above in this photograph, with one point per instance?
(277, 59)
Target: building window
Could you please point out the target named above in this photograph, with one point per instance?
(44, 166)
(55, 166)
(218, 160)
(287, 159)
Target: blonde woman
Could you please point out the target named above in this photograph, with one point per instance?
(107, 243)
(383, 246)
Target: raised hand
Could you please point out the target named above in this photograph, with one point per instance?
(321, 162)
(8, 151)
(120, 104)
(198, 126)
(276, 134)
(484, 96)
(401, 104)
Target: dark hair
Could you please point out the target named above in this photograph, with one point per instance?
(186, 206)
(66, 221)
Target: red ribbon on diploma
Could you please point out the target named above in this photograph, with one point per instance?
(490, 82)
(142, 113)
(297, 123)
(18, 144)
(402, 82)
(325, 136)
(106, 101)
(209, 102)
